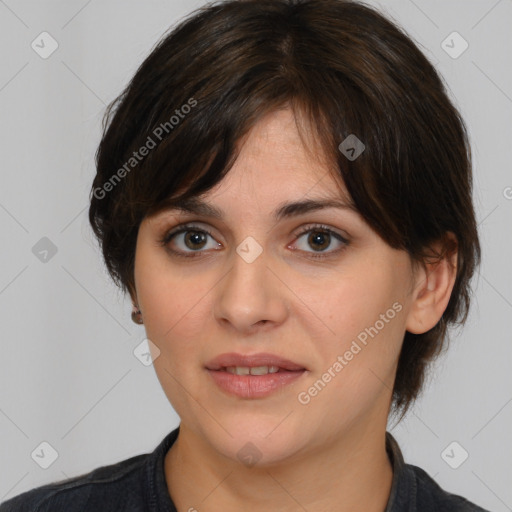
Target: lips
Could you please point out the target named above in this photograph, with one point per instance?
(224, 361)
(253, 376)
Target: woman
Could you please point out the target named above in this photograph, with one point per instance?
(284, 190)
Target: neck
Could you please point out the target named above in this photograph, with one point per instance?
(349, 474)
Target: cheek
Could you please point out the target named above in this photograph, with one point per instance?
(365, 312)
(358, 364)
(175, 316)
(354, 303)
(175, 305)
(173, 310)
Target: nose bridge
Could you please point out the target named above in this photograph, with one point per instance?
(250, 292)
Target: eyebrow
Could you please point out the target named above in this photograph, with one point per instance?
(197, 206)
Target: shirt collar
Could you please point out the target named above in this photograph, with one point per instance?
(158, 497)
(402, 497)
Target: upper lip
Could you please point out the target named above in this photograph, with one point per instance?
(252, 360)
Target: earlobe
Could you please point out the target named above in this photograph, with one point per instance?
(433, 287)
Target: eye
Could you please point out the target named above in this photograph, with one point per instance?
(194, 239)
(320, 238)
(191, 239)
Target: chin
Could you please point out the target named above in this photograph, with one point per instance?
(256, 440)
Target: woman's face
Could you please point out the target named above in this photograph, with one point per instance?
(255, 286)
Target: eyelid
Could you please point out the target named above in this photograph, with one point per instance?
(321, 227)
(194, 226)
(188, 226)
(300, 231)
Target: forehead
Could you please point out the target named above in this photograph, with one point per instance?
(283, 136)
(277, 161)
(273, 171)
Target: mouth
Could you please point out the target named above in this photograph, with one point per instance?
(253, 376)
(254, 370)
(253, 364)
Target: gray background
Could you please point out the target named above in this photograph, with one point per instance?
(68, 373)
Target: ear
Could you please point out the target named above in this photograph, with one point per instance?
(433, 285)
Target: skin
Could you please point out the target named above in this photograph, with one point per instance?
(330, 453)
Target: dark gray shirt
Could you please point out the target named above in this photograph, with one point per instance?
(138, 484)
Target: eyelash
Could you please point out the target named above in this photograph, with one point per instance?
(164, 241)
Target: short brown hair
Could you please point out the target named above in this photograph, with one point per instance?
(343, 67)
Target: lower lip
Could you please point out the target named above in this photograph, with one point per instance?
(254, 386)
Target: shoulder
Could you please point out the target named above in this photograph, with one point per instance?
(109, 485)
(430, 496)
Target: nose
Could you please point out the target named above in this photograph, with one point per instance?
(251, 295)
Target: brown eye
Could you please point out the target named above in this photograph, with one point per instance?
(188, 241)
(195, 239)
(320, 238)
